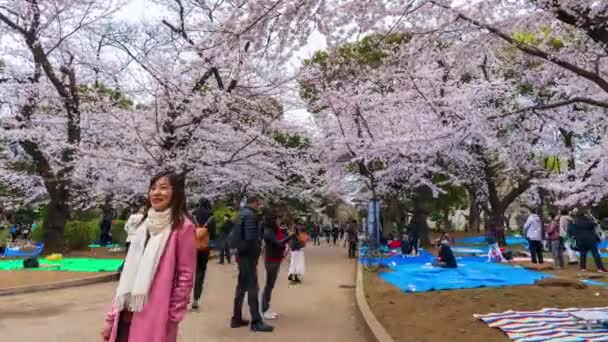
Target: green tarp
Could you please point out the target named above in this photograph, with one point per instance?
(67, 264)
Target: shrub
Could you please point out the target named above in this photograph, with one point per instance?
(118, 231)
(79, 234)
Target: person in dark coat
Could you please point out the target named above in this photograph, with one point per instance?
(353, 239)
(204, 218)
(413, 231)
(275, 242)
(335, 233)
(105, 230)
(248, 253)
(225, 240)
(586, 241)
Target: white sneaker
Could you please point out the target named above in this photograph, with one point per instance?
(269, 315)
(196, 304)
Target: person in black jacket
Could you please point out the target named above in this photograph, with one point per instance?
(204, 217)
(225, 243)
(353, 239)
(445, 256)
(249, 252)
(586, 241)
(275, 242)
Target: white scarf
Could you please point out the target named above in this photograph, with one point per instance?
(142, 261)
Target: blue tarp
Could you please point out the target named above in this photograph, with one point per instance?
(471, 273)
(595, 283)
(469, 250)
(480, 240)
(16, 253)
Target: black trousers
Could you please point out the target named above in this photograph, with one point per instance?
(124, 328)
(202, 258)
(596, 257)
(272, 272)
(335, 239)
(247, 283)
(414, 244)
(536, 251)
(352, 249)
(225, 251)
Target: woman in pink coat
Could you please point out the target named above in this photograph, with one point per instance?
(154, 288)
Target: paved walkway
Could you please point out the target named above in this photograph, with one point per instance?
(318, 310)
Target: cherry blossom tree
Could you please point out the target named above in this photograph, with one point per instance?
(46, 45)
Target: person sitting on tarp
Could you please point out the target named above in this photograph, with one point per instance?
(406, 247)
(445, 256)
(393, 242)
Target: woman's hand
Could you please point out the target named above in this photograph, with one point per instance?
(106, 332)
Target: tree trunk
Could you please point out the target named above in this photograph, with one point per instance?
(474, 214)
(447, 224)
(54, 225)
(420, 215)
(497, 225)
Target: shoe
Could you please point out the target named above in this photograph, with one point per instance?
(601, 271)
(583, 270)
(261, 327)
(290, 277)
(238, 323)
(196, 304)
(269, 315)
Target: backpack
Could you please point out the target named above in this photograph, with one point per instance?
(201, 236)
(31, 263)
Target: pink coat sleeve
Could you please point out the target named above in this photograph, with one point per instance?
(185, 266)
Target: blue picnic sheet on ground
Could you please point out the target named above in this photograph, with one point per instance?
(16, 253)
(472, 272)
(480, 240)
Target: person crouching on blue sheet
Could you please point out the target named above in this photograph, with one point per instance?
(445, 256)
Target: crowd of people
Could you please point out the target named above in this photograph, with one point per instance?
(565, 233)
(165, 242)
(19, 231)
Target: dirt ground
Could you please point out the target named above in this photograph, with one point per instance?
(448, 315)
(102, 253)
(320, 309)
(25, 278)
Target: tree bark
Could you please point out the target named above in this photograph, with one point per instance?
(420, 215)
(57, 216)
(497, 225)
(474, 222)
(447, 223)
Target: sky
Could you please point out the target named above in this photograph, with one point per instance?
(145, 10)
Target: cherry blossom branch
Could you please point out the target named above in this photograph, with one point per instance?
(531, 50)
(553, 106)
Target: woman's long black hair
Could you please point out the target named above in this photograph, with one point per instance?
(179, 209)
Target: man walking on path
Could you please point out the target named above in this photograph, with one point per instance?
(351, 236)
(249, 250)
(316, 235)
(225, 243)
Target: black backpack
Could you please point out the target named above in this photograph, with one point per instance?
(31, 263)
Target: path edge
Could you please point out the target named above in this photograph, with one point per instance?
(104, 278)
(380, 334)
